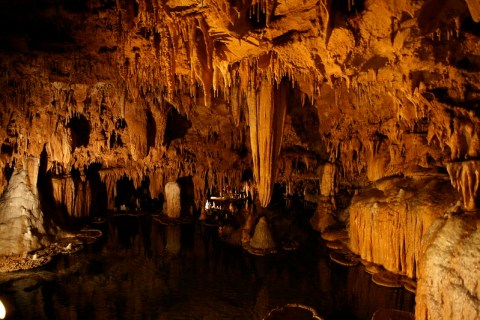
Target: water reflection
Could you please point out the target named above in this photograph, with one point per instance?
(145, 270)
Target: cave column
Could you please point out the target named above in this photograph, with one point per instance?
(266, 110)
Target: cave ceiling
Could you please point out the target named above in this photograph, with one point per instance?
(212, 88)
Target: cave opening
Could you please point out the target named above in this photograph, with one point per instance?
(79, 127)
(99, 195)
(8, 147)
(187, 195)
(257, 17)
(8, 170)
(125, 194)
(349, 7)
(177, 126)
(305, 122)
(151, 131)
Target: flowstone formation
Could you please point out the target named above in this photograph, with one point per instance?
(387, 223)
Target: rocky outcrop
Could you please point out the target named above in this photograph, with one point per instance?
(448, 274)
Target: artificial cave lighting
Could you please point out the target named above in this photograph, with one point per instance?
(3, 310)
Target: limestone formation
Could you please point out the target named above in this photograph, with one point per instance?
(105, 102)
(23, 227)
(173, 205)
(448, 274)
(388, 223)
(262, 237)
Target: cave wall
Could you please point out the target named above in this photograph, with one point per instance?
(394, 85)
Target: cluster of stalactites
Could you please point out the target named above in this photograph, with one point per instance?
(465, 177)
(267, 104)
(459, 131)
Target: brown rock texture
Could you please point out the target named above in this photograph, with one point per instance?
(23, 228)
(449, 275)
(209, 89)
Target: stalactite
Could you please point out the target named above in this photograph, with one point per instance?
(266, 109)
(465, 177)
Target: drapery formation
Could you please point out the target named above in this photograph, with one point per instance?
(267, 106)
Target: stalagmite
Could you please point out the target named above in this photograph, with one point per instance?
(262, 237)
(172, 200)
(324, 213)
(23, 226)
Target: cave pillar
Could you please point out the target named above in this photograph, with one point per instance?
(266, 111)
(172, 200)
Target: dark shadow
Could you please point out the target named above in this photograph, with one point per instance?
(80, 131)
(305, 122)
(187, 195)
(99, 197)
(52, 213)
(177, 126)
(125, 193)
(151, 131)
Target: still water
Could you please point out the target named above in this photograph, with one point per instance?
(141, 269)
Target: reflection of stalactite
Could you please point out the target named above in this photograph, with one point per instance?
(173, 244)
(74, 196)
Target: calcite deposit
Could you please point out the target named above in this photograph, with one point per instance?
(262, 237)
(449, 275)
(325, 101)
(23, 228)
(388, 222)
(173, 206)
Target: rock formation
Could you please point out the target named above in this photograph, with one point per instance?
(116, 98)
(23, 227)
(173, 205)
(448, 286)
(388, 222)
(262, 236)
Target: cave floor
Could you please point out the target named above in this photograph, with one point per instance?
(142, 269)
